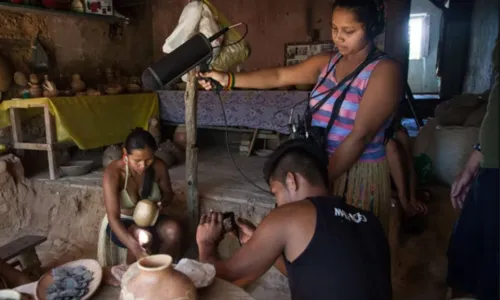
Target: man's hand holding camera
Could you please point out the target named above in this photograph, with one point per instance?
(210, 232)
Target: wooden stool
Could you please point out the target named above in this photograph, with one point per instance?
(23, 249)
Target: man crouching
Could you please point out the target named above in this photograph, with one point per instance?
(328, 249)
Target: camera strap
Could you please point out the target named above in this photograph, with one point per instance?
(352, 75)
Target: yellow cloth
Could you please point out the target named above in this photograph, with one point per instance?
(92, 121)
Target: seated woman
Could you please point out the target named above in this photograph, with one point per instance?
(139, 175)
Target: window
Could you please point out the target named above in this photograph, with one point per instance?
(419, 36)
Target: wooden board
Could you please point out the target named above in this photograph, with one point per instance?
(16, 247)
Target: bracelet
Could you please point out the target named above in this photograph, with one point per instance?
(477, 147)
(230, 81)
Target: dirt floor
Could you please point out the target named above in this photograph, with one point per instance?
(69, 211)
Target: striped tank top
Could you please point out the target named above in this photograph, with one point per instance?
(343, 125)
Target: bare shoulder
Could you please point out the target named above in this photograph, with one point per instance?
(294, 213)
(387, 66)
(112, 172)
(160, 166)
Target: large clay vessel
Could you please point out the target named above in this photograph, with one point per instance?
(155, 278)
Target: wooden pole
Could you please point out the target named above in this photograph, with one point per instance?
(190, 101)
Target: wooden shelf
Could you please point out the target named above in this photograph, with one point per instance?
(20, 8)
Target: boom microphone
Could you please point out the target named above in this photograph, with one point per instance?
(193, 52)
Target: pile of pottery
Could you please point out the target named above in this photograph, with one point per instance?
(35, 86)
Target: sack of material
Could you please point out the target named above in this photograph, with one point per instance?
(201, 16)
(450, 150)
(234, 50)
(195, 17)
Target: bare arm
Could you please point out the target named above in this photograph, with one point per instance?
(306, 72)
(269, 241)
(380, 100)
(280, 265)
(111, 187)
(164, 182)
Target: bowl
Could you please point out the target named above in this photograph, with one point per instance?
(146, 213)
(77, 167)
(92, 265)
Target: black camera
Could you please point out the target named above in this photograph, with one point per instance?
(300, 128)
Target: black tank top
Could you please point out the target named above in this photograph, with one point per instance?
(347, 258)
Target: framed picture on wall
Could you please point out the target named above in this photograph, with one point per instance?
(297, 52)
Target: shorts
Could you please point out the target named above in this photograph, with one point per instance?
(473, 252)
(127, 222)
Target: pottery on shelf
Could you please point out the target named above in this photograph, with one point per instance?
(155, 278)
(146, 213)
(77, 6)
(111, 153)
(36, 91)
(20, 79)
(114, 89)
(133, 88)
(77, 84)
(34, 79)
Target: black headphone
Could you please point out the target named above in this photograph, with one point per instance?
(379, 24)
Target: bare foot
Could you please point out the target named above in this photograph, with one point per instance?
(108, 278)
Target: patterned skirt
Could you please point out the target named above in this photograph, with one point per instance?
(367, 186)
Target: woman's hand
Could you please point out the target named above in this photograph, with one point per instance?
(139, 252)
(246, 229)
(220, 77)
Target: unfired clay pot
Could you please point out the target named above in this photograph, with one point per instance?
(111, 153)
(157, 279)
(180, 136)
(77, 84)
(146, 213)
(36, 91)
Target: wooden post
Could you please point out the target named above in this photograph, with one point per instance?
(190, 101)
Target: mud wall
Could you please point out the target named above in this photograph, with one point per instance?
(76, 44)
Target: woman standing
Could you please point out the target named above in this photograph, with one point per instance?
(357, 167)
(139, 175)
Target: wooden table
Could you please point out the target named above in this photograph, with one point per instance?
(219, 290)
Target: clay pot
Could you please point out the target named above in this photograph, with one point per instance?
(20, 79)
(77, 84)
(77, 5)
(146, 213)
(114, 89)
(111, 153)
(167, 156)
(49, 94)
(180, 136)
(36, 91)
(133, 88)
(34, 79)
(156, 278)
